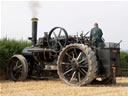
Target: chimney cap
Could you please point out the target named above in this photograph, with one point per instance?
(34, 19)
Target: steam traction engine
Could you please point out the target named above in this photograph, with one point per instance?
(72, 58)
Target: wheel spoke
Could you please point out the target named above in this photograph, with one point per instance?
(83, 66)
(60, 44)
(69, 56)
(14, 67)
(75, 52)
(17, 63)
(54, 41)
(59, 33)
(79, 56)
(82, 72)
(55, 35)
(66, 63)
(20, 69)
(13, 61)
(72, 76)
(72, 54)
(83, 60)
(19, 66)
(16, 73)
(17, 69)
(79, 76)
(68, 71)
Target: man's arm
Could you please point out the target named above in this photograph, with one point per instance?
(101, 33)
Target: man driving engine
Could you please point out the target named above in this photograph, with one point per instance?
(96, 35)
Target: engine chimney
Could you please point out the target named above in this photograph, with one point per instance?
(34, 31)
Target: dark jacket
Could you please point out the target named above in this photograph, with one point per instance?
(96, 34)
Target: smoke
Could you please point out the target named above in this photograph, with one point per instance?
(34, 7)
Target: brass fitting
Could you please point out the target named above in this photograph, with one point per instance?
(35, 19)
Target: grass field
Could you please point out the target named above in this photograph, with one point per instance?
(58, 88)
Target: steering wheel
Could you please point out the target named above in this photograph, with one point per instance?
(57, 38)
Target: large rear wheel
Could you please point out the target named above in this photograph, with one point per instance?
(77, 65)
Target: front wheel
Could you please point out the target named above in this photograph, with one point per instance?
(77, 65)
(17, 68)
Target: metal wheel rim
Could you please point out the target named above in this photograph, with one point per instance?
(76, 74)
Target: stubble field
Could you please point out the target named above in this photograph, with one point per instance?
(58, 88)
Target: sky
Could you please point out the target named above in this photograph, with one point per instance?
(74, 16)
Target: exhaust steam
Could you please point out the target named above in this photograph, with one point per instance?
(34, 7)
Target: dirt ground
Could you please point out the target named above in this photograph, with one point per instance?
(58, 88)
